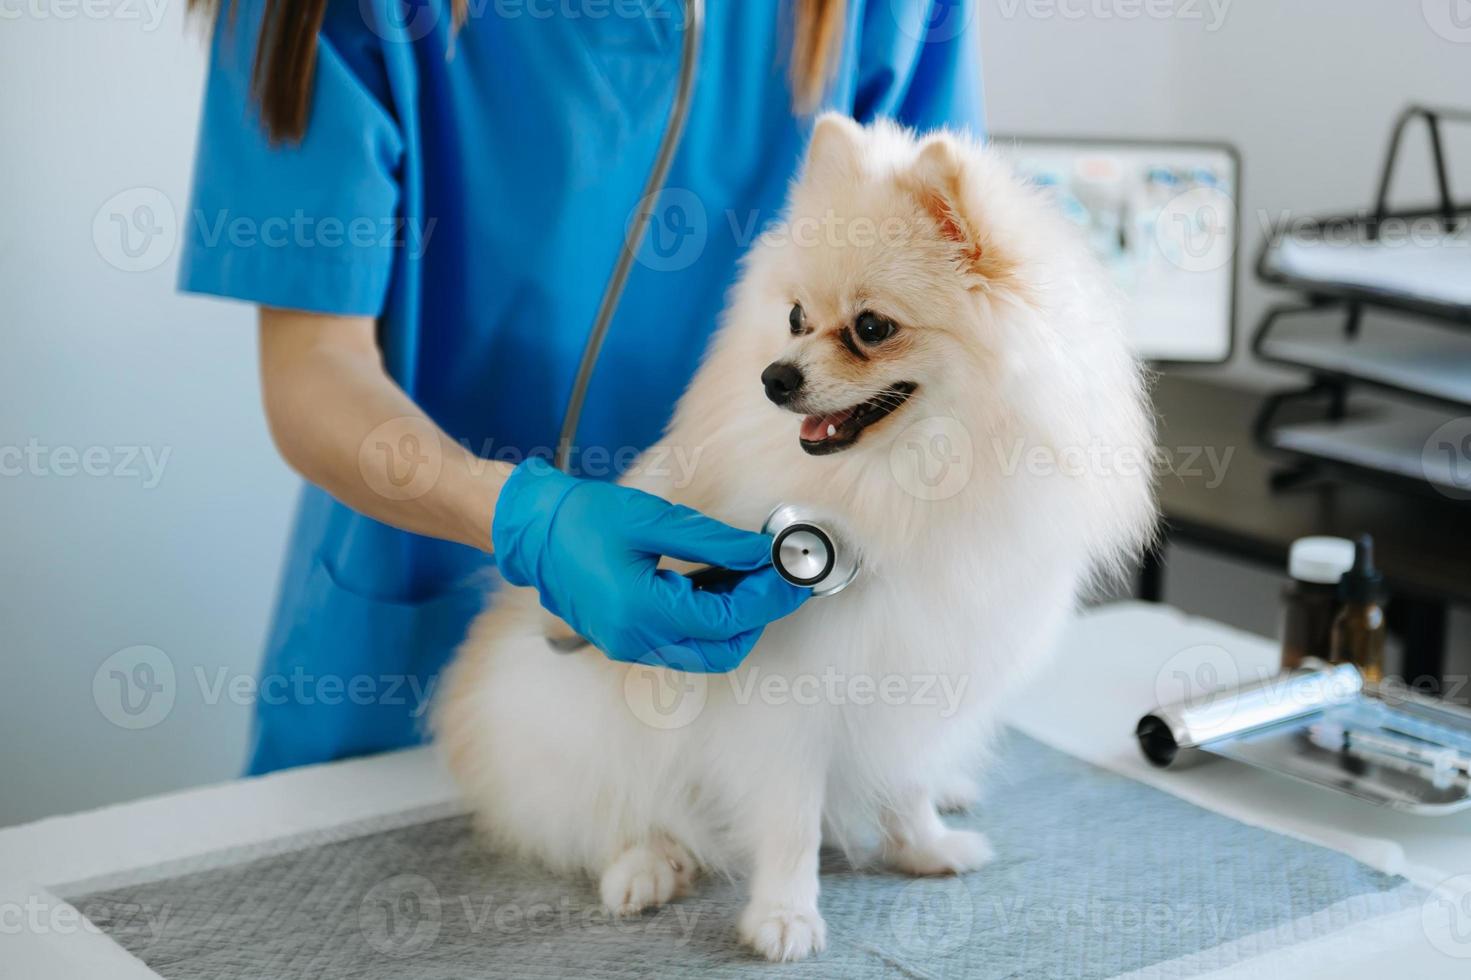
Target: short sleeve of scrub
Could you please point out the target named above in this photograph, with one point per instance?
(309, 225)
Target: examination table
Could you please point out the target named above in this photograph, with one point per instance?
(1105, 867)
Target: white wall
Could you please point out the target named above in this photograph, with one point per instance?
(181, 558)
(1305, 89)
(94, 356)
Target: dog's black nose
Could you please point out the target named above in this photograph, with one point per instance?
(782, 381)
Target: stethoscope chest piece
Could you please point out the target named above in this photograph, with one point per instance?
(803, 551)
(807, 553)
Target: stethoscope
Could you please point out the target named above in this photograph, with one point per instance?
(805, 550)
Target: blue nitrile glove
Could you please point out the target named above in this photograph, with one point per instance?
(592, 549)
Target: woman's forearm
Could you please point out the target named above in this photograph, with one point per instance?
(342, 423)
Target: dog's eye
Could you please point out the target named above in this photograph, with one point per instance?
(797, 319)
(872, 328)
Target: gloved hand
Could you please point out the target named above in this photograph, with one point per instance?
(591, 550)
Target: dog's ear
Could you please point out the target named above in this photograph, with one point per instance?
(937, 181)
(836, 148)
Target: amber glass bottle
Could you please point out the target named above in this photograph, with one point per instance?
(1359, 628)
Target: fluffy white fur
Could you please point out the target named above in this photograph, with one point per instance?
(1011, 332)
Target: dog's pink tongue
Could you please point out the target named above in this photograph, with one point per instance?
(816, 428)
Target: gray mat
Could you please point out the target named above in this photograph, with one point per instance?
(1096, 876)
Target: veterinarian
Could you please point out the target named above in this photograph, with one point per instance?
(424, 199)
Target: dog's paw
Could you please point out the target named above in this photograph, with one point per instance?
(957, 794)
(951, 853)
(646, 876)
(782, 933)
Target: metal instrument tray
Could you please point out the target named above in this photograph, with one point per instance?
(1322, 725)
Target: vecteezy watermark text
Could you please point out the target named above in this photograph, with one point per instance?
(138, 229)
(671, 699)
(149, 13)
(1099, 459)
(1211, 13)
(403, 916)
(39, 917)
(403, 459)
(137, 688)
(36, 459)
(302, 230)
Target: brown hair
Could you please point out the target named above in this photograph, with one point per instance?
(815, 35)
(286, 55)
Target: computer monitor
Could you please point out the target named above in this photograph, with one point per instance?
(1163, 218)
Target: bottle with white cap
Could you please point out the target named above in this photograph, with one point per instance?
(1310, 600)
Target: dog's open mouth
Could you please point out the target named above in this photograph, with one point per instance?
(836, 431)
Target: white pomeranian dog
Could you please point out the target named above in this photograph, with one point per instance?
(926, 352)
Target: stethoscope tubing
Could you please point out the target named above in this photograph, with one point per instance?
(679, 111)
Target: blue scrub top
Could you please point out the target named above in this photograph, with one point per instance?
(469, 189)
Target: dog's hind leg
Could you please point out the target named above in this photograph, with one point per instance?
(646, 876)
(918, 842)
